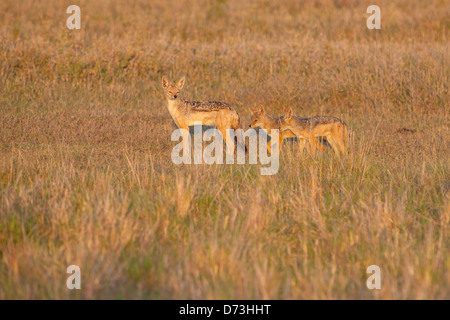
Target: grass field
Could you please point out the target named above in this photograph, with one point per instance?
(86, 177)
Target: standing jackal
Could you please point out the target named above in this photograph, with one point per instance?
(264, 121)
(334, 129)
(209, 113)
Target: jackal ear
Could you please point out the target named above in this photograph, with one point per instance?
(180, 83)
(261, 110)
(288, 114)
(165, 82)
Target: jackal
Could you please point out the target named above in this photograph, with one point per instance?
(335, 130)
(262, 120)
(219, 114)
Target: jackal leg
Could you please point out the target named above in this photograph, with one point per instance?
(340, 140)
(320, 145)
(341, 145)
(312, 144)
(280, 143)
(301, 144)
(333, 143)
(228, 140)
(240, 139)
(186, 137)
(269, 146)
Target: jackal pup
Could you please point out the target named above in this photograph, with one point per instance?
(264, 121)
(334, 129)
(209, 113)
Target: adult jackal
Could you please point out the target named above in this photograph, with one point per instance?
(334, 129)
(209, 113)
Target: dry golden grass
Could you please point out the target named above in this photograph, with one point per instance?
(86, 176)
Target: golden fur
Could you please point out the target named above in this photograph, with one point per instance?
(209, 113)
(335, 130)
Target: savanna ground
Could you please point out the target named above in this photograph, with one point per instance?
(86, 176)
